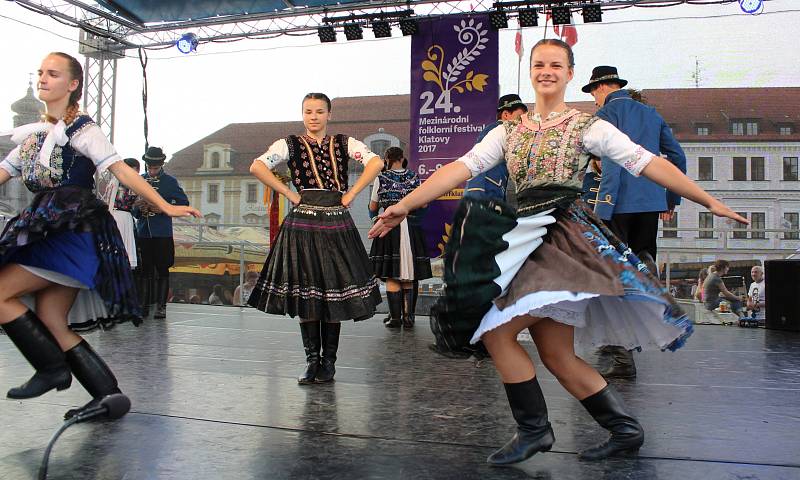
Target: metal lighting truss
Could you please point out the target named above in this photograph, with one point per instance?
(292, 20)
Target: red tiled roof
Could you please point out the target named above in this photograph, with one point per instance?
(360, 117)
(684, 108)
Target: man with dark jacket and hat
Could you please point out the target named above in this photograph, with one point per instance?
(154, 234)
(493, 183)
(630, 205)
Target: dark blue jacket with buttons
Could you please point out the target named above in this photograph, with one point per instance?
(160, 225)
(493, 182)
(619, 191)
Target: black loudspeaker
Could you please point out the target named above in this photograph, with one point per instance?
(783, 294)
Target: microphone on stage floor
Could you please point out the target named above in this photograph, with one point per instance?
(111, 407)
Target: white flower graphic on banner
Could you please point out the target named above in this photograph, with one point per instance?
(474, 39)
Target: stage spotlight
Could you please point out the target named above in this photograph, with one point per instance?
(592, 14)
(751, 6)
(187, 43)
(353, 31)
(498, 19)
(561, 16)
(409, 26)
(528, 18)
(326, 34)
(381, 29)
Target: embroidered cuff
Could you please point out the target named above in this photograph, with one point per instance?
(638, 161)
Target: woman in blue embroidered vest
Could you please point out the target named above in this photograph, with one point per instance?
(65, 240)
(562, 274)
(317, 269)
(399, 259)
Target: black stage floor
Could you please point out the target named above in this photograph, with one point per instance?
(215, 397)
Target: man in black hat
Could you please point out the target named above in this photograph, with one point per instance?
(630, 205)
(154, 234)
(494, 182)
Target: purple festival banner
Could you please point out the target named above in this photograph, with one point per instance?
(454, 91)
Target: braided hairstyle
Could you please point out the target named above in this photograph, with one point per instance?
(76, 73)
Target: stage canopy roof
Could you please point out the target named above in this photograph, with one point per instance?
(116, 25)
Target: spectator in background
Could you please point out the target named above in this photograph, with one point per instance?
(243, 291)
(697, 290)
(715, 291)
(216, 296)
(757, 294)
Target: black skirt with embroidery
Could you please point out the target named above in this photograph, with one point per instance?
(318, 268)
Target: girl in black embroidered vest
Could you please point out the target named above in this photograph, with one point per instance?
(318, 269)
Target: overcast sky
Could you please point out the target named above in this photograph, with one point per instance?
(191, 96)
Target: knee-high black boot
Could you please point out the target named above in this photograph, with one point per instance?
(144, 284)
(409, 305)
(330, 345)
(310, 331)
(40, 348)
(93, 373)
(534, 433)
(162, 292)
(608, 409)
(395, 301)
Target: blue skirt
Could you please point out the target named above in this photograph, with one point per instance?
(69, 231)
(67, 253)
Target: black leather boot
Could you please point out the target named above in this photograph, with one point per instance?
(409, 304)
(144, 286)
(534, 433)
(40, 348)
(621, 364)
(310, 331)
(395, 301)
(93, 373)
(608, 409)
(330, 345)
(162, 292)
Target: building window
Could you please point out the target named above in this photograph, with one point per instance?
(665, 224)
(757, 168)
(790, 168)
(752, 128)
(758, 222)
(791, 222)
(703, 130)
(213, 193)
(211, 218)
(252, 192)
(215, 160)
(739, 168)
(743, 232)
(379, 147)
(706, 220)
(785, 130)
(705, 168)
(737, 128)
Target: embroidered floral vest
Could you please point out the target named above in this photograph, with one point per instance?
(394, 186)
(67, 167)
(548, 154)
(318, 165)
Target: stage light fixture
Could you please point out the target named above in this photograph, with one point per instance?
(498, 19)
(528, 18)
(381, 29)
(592, 14)
(751, 6)
(353, 31)
(561, 16)
(187, 43)
(326, 34)
(409, 26)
